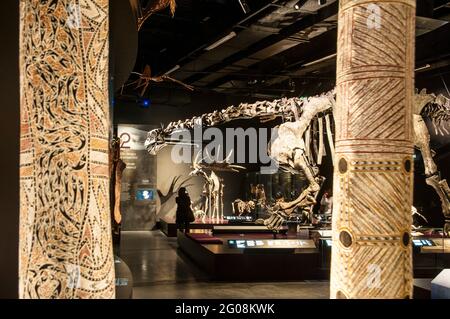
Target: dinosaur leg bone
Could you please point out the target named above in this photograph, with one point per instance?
(301, 163)
(422, 142)
(443, 191)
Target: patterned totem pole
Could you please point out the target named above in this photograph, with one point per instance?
(65, 225)
(373, 177)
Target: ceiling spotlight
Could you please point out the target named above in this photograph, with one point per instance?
(219, 42)
(244, 6)
(426, 66)
(144, 103)
(328, 57)
(176, 67)
(321, 2)
(300, 4)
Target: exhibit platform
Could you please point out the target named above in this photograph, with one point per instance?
(169, 227)
(246, 229)
(248, 253)
(253, 256)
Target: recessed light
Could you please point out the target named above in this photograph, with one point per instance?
(300, 4)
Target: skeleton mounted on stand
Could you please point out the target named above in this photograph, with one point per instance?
(211, 205)
(300, 146)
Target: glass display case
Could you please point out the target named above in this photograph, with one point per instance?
(431, 251)
(279, 184)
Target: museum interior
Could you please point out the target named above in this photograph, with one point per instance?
(177, 149)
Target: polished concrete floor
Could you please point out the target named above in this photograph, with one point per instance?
(160, 270)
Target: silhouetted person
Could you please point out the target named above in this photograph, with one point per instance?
(184, 215)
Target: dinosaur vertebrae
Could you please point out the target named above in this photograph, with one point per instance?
(436, 108)
(287, 108)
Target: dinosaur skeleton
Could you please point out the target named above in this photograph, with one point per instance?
(212, 205)
(300, 146)
(437, 108)
(242, 208)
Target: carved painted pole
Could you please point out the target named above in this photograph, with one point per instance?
(373, 177)
(65, 225)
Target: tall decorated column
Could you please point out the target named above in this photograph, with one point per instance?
(373, 179)
(65, 228)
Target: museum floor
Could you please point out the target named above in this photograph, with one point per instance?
(160, 270)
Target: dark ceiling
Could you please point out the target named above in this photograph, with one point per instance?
(273, 49)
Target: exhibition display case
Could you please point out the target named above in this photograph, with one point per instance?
(218, 254)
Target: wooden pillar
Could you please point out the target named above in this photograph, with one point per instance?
(371, 256)
(65, 225)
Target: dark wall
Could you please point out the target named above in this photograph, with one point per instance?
(9, 130)
(162, 109)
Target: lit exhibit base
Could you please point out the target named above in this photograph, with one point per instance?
(253, 256)
(169, 227)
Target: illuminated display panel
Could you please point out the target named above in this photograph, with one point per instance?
(145, 194)
(423, 243)
(239, 218)
(268, 243)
